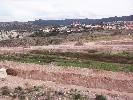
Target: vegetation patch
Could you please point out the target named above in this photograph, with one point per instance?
(100, 97)
(39, 93)
(94, 60)
(79, 43)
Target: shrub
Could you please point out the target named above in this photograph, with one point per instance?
(116, 32)
(21, 96)
(5, 90)
(125, 53)
(36, 51)
(36, 88)
(38, 33)
(18, 89)
(54, 41)
(79, 43)
(92, 51)
(19, 92)
(76, 95)
(100, 97)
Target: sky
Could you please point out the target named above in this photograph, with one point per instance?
(27, 10)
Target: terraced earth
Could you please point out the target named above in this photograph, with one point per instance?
(93, 69)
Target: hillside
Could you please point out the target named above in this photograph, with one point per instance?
(82, 21)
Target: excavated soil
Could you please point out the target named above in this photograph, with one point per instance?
(97, 80)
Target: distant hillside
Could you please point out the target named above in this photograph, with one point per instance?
(37, 24)
(82, 21)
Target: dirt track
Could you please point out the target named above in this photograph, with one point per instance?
(95, 80)
(114, 45)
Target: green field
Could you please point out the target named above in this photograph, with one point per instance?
(93, 59)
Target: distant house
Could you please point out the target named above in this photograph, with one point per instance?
(128, 24)
(47, 30)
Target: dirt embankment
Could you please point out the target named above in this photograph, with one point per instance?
(96, 79)
(29, 41)
(25, 45)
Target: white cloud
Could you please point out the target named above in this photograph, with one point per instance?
(24, 10)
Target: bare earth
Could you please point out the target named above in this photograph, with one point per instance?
(114, 45)
(114, 85)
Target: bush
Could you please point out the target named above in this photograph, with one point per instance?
(79, 43)
(116, 32)
(125, 53)
(21, 97)
(55, 41)
(36, 52)
(92, 51)
(76, 95)
(5, 91)
(19, 92)
(38, 33)
(100, 97)
(18, 89)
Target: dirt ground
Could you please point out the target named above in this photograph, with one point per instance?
(114, 46)
(114, 85)
(12, 82)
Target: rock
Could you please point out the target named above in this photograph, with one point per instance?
(11, 72)
(3, 73)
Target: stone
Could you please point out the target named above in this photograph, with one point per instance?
(3, 73)
(11, 72)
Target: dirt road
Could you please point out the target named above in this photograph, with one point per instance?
(114, 45)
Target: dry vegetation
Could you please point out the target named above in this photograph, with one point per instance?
(39, 92)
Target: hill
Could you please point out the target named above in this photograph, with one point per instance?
(82, 21)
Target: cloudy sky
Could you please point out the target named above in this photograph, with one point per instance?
(24, 10)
